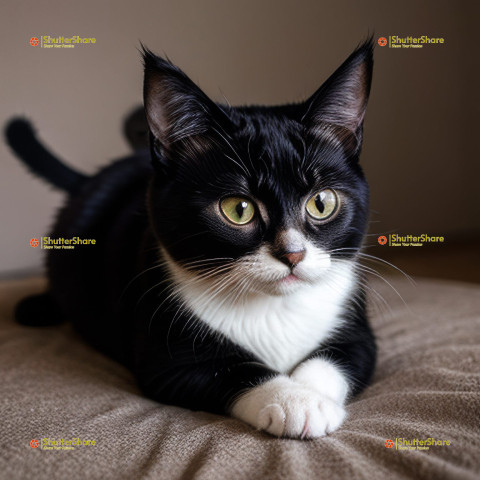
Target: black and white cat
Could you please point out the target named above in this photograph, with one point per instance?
(225, 269)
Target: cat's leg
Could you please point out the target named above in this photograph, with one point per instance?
(221, 378)
(247, 390)
(235, 384)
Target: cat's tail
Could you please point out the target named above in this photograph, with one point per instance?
(21, 137)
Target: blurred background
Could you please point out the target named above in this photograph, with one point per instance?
(421, 132)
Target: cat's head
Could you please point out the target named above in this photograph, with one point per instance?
(257, 199)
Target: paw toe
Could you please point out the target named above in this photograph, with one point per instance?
(334, 415)
(272, 419)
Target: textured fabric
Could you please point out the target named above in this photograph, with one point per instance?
(426, 385)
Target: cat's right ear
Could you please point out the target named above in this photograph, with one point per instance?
(179, 114)
(337, 109)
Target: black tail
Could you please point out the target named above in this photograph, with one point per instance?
(21, 138)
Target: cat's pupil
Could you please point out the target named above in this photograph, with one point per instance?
(319, 203)
(240, 208)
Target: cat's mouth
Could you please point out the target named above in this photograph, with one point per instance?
(285, 285)
(289, 279)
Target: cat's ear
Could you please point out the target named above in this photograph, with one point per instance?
(178, 112)
(336, 110)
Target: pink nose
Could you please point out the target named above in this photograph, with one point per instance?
(293, 258)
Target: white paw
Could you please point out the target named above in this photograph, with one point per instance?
(285, 408)
(323, 376)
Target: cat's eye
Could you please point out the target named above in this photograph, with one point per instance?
(323, 205)
(238, 210)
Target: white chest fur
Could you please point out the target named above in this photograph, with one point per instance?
(279, 330)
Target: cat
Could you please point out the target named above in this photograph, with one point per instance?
(224, 273)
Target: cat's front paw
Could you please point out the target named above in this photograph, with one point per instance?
(285, 408)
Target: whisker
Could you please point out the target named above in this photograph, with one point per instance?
(376, 274)
(373, 258)
(158, 265)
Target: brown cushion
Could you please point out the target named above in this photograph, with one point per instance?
(426, 386)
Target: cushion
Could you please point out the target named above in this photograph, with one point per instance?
(426, 386)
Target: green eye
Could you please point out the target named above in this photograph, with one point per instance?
(238, 210)
(323, 204)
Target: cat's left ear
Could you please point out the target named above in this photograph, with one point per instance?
(336, 110)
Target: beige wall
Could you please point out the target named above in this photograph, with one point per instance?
(421, 130)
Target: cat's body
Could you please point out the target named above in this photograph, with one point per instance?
(224, 271)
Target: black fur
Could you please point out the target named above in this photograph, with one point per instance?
(115, 293)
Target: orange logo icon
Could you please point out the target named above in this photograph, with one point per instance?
(34, 242)
(382, 41)
(389, 443)
(34, 443)
(382, 240)
(34, 41)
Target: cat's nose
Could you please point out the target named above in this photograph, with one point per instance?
(292, 259)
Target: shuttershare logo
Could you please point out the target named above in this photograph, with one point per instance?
(395, 240)
(409, 41)
(61, 443)
(416, 443)
(47, 41)
(61, 243)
